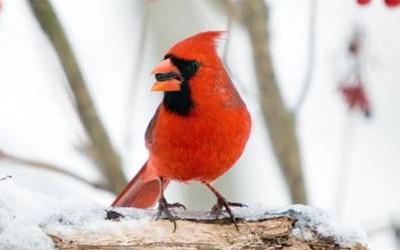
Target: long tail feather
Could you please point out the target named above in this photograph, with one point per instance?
(139, 193)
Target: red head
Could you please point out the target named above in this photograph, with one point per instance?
(195, 50)
(198, 47)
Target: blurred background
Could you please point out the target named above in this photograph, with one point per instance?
(322, 87)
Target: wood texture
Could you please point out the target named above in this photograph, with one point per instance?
(218, 234)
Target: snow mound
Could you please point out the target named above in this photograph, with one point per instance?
(310, 222)
(27, 219)
(309, 219)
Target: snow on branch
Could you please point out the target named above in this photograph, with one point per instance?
(30, 220)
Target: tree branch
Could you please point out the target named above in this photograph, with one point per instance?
(280, 121)
(310, 57)
(110, 163)
(231, 14)
(49, 167)
(133, 87)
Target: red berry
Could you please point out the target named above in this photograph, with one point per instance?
(392, 3)
(363, 2)
(356, 97)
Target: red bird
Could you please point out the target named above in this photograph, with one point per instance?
(198, 131)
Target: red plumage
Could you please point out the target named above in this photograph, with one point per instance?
(363, 2)
(392, 3)
(195, 139)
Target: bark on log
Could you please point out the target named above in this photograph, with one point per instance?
(273, 233)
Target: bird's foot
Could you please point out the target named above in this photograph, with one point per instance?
(164, 206)
(217, 209)
(176, 205)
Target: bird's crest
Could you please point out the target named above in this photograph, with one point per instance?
(197, 46)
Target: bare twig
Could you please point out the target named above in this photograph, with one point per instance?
(376, 226)
(5, 177)
(133, 87)
(49, 167)
(310, 56)
(230, 8)
(353, 92)
(279, 119)
(345, 163)
(110, 165)
(87, 150)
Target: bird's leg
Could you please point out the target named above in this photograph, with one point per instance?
(222, 203)
(164, 206)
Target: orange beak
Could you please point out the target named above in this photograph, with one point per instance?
(167, 76)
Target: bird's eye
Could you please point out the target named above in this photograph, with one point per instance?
(193, 66)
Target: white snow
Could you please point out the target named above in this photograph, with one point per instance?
(309, 218)
(27, 218)
(342, 232)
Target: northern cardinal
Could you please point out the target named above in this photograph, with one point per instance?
(199, 130)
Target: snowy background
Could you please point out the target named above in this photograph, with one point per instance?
(38, 121)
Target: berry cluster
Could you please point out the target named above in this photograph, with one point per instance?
(352, 86)
(389, 3)
(356, 98)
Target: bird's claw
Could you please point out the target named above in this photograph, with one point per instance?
(177, 205)
(164, 206)
(217, 209)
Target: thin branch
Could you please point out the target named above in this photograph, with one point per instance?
(5, 177)
(231, 13)
(378, 230)
(110, 165)
(279, 120)
(345, 163)
(49, 167)
(230, 9)
(310, 56)
(137, 71)
(374, 227)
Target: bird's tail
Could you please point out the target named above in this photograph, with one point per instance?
(140, 193)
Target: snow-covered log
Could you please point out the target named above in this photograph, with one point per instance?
(35, 221)
(273, 233)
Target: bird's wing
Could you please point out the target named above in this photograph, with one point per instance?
(149, 130)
